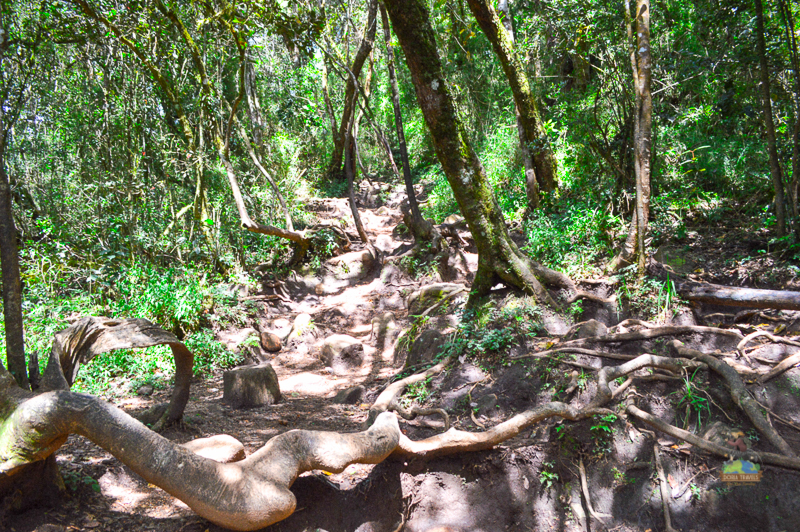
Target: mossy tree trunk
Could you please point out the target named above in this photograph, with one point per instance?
(641, 64)
(769, 124)
(499, 259)
(533, 136)
(12, 98)
(422, 229)
(12, 287)
(339, 137)
(791, 45)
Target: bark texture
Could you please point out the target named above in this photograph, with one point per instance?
(769, 124)
(245, 495)
(732, 296)
(532, 135)
(641, 64)
(421, 228)
(498, 257)
(12, 286)
(339, 137)
(92, 336)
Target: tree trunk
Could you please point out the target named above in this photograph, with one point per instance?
(256, 161)
(531, 185)
(772, 147)
(791, 45)
(350, 172)
(335, 169)
(641, 65)
(536, 140)
(420, 228)
(498, 256)
(12, 286)
(730, 296)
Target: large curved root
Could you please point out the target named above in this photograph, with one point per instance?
(393, 391)
(739, 394)
(245, 495)
(91, 336)
(608, 374)
(458, 441)
(777, 339)
(412, 413)
(719, 450)
(653, 332)
(576, 350)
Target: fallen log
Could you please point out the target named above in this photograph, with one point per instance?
(731, 296)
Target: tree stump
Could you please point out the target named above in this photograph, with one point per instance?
(250, 386)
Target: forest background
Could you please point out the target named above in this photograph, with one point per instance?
(112, 124)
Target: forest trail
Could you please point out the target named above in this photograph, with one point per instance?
(343, 297)
(346, 296)
(530, 482)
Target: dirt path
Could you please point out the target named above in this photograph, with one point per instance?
(531, 482)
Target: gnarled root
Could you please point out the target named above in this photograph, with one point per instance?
(457, 441)
(389, 396)
(91, 336)
(711, 447)
(739, 394)
(245, 495)
(608, 374)
(412, 413)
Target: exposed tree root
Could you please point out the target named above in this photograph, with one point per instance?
(630, 322)
(90, 336)
(394, 390)
(664, 489)
(444, 300)
(475, 420)
(726, 295)
(457, 441)
(608, 374)
(719, 450)
(414, 411)
(653, 332)
(587, 498)
(577, 350)
(739, 394)
(776, 416)
(777, 339)
(785, 364)
(245, 495)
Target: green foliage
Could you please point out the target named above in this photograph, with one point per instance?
(422, 263)
(324, 245)
(209, 354)
(572, 237)
(73, 480)
(175, 299)
(417, 392)
(621, 478)
(486, 332)
(602, 433)
(105, 373)
(547, 476)
(689, 397)
(603, 425)
(647, 297)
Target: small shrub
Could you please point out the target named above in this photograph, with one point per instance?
(209, 354)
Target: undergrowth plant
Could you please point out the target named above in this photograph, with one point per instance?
(486, 332)
(689, 398)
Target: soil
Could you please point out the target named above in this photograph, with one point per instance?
(530, 482)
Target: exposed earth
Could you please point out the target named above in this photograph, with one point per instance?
(530, 482)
